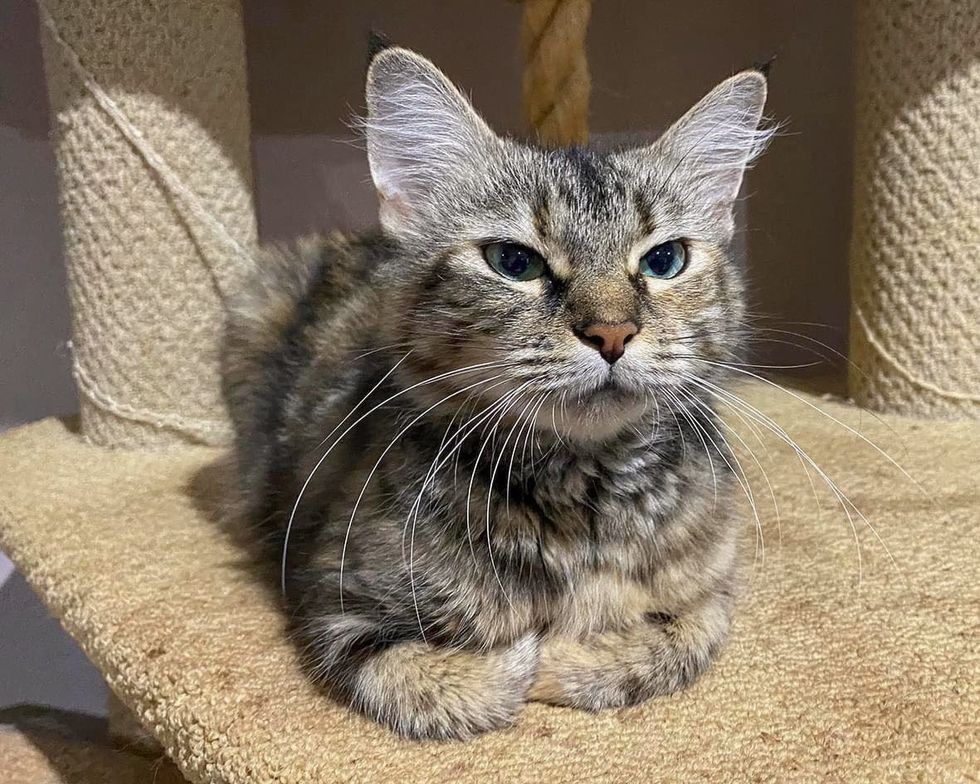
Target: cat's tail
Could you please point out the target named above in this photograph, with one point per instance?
(419, 690)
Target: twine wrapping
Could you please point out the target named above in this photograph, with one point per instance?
(915, 253)
(152, 144)
(556, 71)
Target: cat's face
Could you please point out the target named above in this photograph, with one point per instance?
(584, 287)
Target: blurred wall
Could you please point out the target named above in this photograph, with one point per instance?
(34, 362)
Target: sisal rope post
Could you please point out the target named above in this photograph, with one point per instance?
(151, 135)
(915, 252)
(556, 81)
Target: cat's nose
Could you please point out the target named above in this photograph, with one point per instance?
(608, 339)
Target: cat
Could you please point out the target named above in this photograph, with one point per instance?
(480, 443)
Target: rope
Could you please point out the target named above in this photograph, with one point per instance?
(203, 430)
(877, 345)
(556, 72)
(145, 150)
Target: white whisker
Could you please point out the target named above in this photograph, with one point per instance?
(381, 458)
(846, 504)
(323, 457)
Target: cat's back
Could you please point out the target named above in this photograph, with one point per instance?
(301, 310)
(288, 285)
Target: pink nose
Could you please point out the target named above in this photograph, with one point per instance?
(608, 339)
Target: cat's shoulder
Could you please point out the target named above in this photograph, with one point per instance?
(280, 274)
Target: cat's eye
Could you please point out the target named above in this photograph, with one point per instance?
(666, 260)
(514, 261)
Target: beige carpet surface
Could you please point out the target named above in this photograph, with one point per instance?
(836, 672)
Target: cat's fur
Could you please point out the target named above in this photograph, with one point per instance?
(539, 525)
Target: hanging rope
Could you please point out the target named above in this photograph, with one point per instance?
(556, 71)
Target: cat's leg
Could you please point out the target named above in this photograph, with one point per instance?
(417, 689)
(658, 656)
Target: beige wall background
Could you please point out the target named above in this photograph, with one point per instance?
(650, 60)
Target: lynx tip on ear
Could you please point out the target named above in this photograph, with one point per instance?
(765, 66)
(377, 43)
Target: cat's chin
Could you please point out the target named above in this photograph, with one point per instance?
(601, 415)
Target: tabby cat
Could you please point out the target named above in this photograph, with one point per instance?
(480, 443)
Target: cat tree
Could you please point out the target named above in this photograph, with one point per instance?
(113, 523)
(915, 255)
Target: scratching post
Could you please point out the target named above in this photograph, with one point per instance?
(152, 143)
(915, 255)
(556, 72)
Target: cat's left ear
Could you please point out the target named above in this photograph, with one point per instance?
(707, 150)
(422, 134)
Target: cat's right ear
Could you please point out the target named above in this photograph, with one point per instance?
(422, 134)
(712, 145)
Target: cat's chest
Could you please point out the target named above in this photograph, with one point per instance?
(600, 600)
(610, 498)
(589, 526)
(585, 545)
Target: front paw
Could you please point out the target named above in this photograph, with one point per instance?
(617, 669)
(426, 693)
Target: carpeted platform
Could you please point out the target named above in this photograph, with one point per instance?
(827, 678)
(43, 758)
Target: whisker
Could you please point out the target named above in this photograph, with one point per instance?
(745, 446)
(711, 463)
(470, 426)
(846, 504)
(740, 477)
(832, 418)
(798, 366)
(381, 458)
(323, 457)
(390, 346)
(360, 402)
(414, 515)
(526, 423)
(493, 474)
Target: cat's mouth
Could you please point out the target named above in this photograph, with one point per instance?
(617, 379)
(602, 411)
(614, 387)
(611, 381)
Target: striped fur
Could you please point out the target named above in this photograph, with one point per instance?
(469, 506)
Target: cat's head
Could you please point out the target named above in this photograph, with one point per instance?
(592, 284)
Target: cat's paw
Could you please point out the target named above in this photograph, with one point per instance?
(427, 693)
(617, 669)
(595, 688)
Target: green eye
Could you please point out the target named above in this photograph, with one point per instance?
(665, 261)
(514, 261)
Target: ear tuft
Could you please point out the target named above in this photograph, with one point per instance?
(765, 66)
(377, 43)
